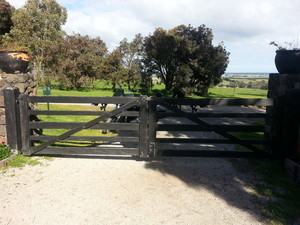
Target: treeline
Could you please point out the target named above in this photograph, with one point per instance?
(183, 57)
(261, 84)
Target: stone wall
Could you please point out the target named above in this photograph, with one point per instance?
(279, 84)
(26, 84)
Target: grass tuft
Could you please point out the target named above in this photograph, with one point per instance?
(21, 161)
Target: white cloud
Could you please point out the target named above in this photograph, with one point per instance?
(16, 3)
(246, 27)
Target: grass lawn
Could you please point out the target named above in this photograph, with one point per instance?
(236, 93)
(92, 93)
(213, 92)
(68, 118)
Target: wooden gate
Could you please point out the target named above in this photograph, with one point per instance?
(163, 128)
(34, 143)
(218, 128)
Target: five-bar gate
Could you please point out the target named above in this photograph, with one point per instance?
(165, 127)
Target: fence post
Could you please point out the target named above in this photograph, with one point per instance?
(152, 127)
(291, 121)
(12, 118)
(143, 128)
(24, 116)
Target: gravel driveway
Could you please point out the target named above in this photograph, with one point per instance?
(97, 190)
(75, 191)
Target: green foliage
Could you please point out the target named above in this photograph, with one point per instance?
(5, 17)
(5, 151)
(184, 57)
(253, 84)
(288, 45)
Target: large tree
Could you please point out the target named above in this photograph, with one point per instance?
(75, 58)
(5, 17)
(184, 57)
(131, 55)
(112, 69)
(36, 25)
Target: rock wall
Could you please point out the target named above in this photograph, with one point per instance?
(279, 84)
(26, 84)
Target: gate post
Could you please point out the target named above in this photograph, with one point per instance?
(24, 116)
(291, 121)
(152, 127)
(12, 118)
(143, 129)
(279, 86)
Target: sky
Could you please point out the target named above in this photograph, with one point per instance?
(245, 26)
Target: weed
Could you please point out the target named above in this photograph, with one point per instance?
(5, 151)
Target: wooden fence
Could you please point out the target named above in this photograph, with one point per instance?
(143, 138)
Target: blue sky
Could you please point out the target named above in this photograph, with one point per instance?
(245, 26)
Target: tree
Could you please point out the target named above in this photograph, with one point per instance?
(184, 57)
(112, 69)
(75, 58)
(5, 17)
(160, 56)
(36, 25)
(131, 54)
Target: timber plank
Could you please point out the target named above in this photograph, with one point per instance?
(225, 128)
(76, 99)
(218, 115)
(219, 101)
(88, 138)
(88, 151)
(72, 125)
(209, 141)
(79, 113)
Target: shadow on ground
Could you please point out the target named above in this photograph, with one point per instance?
(229, 179)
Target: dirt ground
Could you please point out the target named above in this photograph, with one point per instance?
(99, 190)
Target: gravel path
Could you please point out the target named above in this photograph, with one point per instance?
(97, 190)
(126, 191)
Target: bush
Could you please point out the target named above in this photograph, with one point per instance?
(4, 151)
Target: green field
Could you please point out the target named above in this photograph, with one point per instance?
(68, 118)
(216, 92)
(236, 93)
